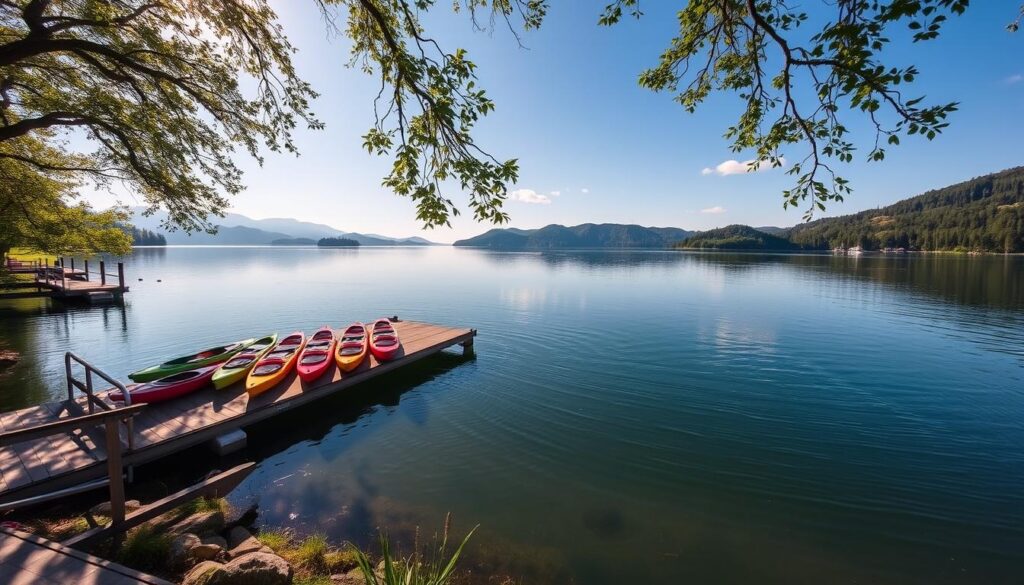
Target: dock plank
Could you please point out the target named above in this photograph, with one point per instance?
(168, 427)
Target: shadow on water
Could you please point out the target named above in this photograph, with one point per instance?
(308, 424)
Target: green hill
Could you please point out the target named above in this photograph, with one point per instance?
(736, 237)
(985, 213)
(588, 235)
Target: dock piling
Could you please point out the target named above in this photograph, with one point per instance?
(103, 272)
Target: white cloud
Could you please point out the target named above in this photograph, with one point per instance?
(584, 190)
(529, 196)
(1015, 78)
(716, 209)
(556, 193)
(735, 167)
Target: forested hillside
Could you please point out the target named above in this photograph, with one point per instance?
(985, 214)
(145, 237)
(587, 235)
(736, 237)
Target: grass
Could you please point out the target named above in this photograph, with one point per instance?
(309, 555)
(312, 580)
(146, 549)
(275, 539)
(439, 569)
(203, 505)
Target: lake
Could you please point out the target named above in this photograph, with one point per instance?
(629, 417)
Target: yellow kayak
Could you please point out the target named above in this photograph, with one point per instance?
(276, 365)
(351, 348)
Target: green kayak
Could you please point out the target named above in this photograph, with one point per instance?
(237, 367)
(207, 357)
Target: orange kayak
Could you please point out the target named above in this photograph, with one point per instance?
(352, 347)
(274, 366)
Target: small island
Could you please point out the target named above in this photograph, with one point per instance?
(337, 243)
(293, 242)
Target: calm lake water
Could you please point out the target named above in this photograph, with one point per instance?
(629, 417)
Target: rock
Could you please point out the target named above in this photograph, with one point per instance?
(206, 552)
(205, 573)
(257, 569)
(353, 577)
(201, 523)
(181, 549)
(237, 535)
(249, 545)
(103, 509)
(217, 540)
(8, 358)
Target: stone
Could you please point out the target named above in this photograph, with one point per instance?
(206, 552)
(257, 569)
(217, 540)
(237, 535)
(353, 577)
(249, 545)
(103, 509)
(8, 358)
(205, 573)
(201, 523)
(181, 549)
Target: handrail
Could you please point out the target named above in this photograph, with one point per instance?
(115, 469)
(45, 430)
(87, 389)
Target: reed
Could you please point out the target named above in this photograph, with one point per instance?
(436, 569)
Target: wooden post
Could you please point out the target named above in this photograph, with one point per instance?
(115, 471)
(103, 272)
(120, 275)
(87, 270)
(72, 263)
(467, 348)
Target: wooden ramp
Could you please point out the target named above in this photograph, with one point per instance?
(42, 465)
(26, 559)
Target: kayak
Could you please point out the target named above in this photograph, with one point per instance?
(352, 347)
(316, 357)
(384, 342)
(168, 387)
(213, 355)
(275, 365)
(237, 367)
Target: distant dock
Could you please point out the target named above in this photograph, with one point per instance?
(64, 282)
(46, 462)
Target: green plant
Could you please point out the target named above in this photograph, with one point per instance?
(413, 570)
(310, 553)
(275, 539)
(145, 549)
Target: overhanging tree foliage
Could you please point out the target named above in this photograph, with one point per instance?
(159, 94)
(147, 93)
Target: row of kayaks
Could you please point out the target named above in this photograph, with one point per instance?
(263, 363)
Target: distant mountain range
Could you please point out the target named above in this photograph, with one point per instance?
(236, 229)
(588, 235)
(982, 214)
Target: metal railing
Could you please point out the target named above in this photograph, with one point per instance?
(89, 390)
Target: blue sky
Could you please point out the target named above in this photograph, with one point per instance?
(595, 147)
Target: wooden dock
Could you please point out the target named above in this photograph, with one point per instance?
(26, 559)
(66, 283)
(55, 462)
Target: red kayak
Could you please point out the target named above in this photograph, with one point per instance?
(316, 357)
(168, 387)
(384, 344)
